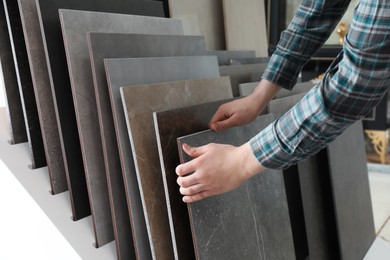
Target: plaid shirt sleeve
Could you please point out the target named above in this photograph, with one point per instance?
(354, 84)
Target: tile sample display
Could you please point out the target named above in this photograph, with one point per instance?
(14, 108)
(298, 89)
(245, 26)
(170, 125)
(201, 17)
(43, 95)
(249, 222)
(351, 193)
(225, 56)
(244, 61)
(109, 45)
(60, 83)
(241, 74)
(26, 89)
(75, 25)
(139, 114)
(127, 72)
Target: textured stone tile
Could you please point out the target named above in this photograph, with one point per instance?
(248, 31)
(26, 89)
(241, 74)
(60, 83)
(251, 222)
(127, 72)
(75, 25)
(170, 125)
(201, 17)
(244, 61)
(109, 45)
(43, 95)
(224, 57)
(15, 117)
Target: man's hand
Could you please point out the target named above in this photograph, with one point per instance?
(215, 169)
(244, 110)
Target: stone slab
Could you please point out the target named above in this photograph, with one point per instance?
(14, 108)
(241, 74)
(248, 31)
(280, 106)
(26, 89)
(110, 45)
(244, 61)
(60, 83)
(225, 56)
(43, 95)
(247, 88)
(201, 17)
(139, 114)
(351, 193)
(125, 72)
(75, 25)
(251, 222)
(170, 125)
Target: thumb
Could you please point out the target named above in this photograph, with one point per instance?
(194, 151)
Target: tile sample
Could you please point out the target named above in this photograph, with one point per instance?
(201, 17)
(14, 108)
(170, 125)
(225, 56)
(244, 61)
(351, 193)
(139, 114)
(241, 74)
(248, 31)
(75, 25)
(298, 88)
(117, 45)
(60, 83)
(26, 89)
(126, 72)
(247, 88)
(251, 222)
(43, 95)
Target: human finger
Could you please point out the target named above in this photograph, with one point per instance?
(197, 197)
(192, 190)
(187, 181)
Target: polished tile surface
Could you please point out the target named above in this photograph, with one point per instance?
(43, 95)
(75, 25)
(170, 125)
(251, 222)
(109, 45)
(60, 83)
(241, 74)
(127, 72)
(26, 89)
(15, 116)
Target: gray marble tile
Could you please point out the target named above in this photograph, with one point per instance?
(251, 222)
(170, 125)
(351, 193)
(75, 25)
(26, 89)
(43, 95)
(14, 109)
(125, 72)
(225, 56)
(60, 83)
(244, 61)
(109, 45)
(241, 74)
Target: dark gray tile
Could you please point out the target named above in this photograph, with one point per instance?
(14, 109)
(241, 74)
(109, 45)
(170, 125)
(125, 72)
(75, 25)
(26, 89)
(251, 222)
(60, 83)
(244, 61)
(225, 56)
(298, 89)
(43, 95)
(351, 193)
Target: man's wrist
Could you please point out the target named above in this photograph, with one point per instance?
(250, 165)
